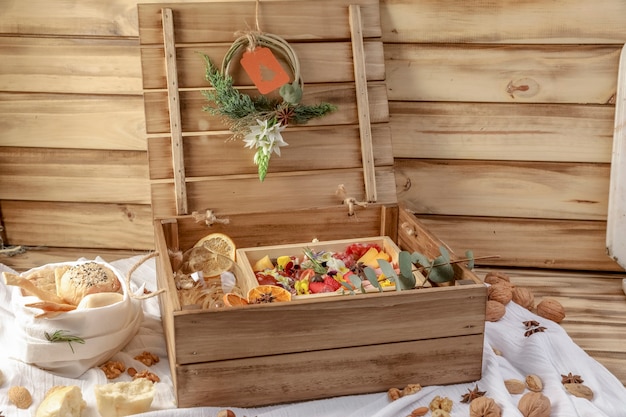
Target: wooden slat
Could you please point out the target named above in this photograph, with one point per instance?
(78, 225)
(492, 131)
(105, 122)
(507, 74)
(80, 66)
(504, 189)
(319, 58)
(196, 120)
(616, 222)
(42, 174)
(508, 21)
(531, 243)
(323, 19)
(309, 149)
(302, 189)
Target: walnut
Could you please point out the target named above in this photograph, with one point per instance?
(143, 374)
(495, 277)
(579, 390)
(419, 412)
(515, 386)
(440, 413)
(534, 404)
(411, 389)
(494, 310)
(524, 297)
(551, 309)
(500, 293)
(226, 413)
(113, 369)
(484, 407)
(20, 396)
(439, 403)
(534, 383)
(394, 393)
(147, 358)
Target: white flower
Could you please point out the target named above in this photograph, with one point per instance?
(265, 137)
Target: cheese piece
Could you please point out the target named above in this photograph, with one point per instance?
(119, 399)
(62, 401)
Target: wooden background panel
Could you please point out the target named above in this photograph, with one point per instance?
(82, 66)
(78, 225)
(106, 122)
(323, 19)
(502, 73)
(304, 189)
(494, 131)
(308, 149)
(194, 119)
(325, 62)
(511, 189)
(531, 243)
(503, 21)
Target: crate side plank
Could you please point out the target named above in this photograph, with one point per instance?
(234, 194)
(504, 74)
(78, 225)
(112, 122)
(194, 119)
(267, 329)
(319, 57)
(568, 191)
(497, 131)
(579, 22)
(538, 243)
(347, 371)
(309, 149)
(216, 22)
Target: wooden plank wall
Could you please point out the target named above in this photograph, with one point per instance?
(501, 118)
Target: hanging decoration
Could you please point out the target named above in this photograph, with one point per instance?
(260, 120)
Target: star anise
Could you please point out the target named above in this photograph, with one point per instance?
(571, 379)
(284, 114)
(472, 394)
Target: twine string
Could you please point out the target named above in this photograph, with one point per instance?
(130, 273)
(208, 217)
(351, 202)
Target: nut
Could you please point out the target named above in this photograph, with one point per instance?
(440, 413)
(147, 358)
(394, 393)
(500, 293)
(145, 374)
(534, 383)
(439, 403)
(495, 277)
(484, 407)
(113, 369)
(515, 386)
(411, 389)
(419, 412)
(226, 413)
(579, 390)
(524, 297)
(20, 396)
(551, 309)
(494, 310)
(534, 404)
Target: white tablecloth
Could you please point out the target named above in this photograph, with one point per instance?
(548, 355)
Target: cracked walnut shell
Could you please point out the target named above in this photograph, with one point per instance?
(20, 397)
(534, 404)
(551, 309)
(485, 407)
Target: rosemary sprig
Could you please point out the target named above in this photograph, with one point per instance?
(59, 336)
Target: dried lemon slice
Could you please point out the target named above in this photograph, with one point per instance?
(219, 243)
(213, 254)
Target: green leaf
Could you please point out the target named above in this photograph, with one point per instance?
(405, 264)
(470, 255)
(441, 271)
(370, 274)
(444, 253)
(357, 282)
(346, 286)
(418, 258)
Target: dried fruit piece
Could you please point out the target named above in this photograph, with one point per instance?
(515, 386)
(268, 294)
(234, 300)
(20, 397)
(579, 390)
(551, 309)
(494, 311)
(485, 407)
(534, 383)
(534, 404)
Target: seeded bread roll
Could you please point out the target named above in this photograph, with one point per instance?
(83, 279)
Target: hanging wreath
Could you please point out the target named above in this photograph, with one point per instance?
(260, 120)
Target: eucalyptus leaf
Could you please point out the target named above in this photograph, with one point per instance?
(405, 264)
(444, 253)
(442, 270)
(357, 282)
(348, 287)
(372, 278)
(418, 258)
(470, 256)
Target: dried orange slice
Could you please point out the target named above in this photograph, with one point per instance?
(268, 294)
(234, 300)
(219, 243)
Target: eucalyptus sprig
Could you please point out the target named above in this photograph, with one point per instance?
(60, 336)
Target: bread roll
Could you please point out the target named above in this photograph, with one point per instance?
(62, 401)
(118, 399)
(87, 278)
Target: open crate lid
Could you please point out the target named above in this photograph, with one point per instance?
(193, 165)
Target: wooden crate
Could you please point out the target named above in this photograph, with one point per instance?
(310, 348)
(321, 347)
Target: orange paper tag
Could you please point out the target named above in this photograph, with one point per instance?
(264, 69)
